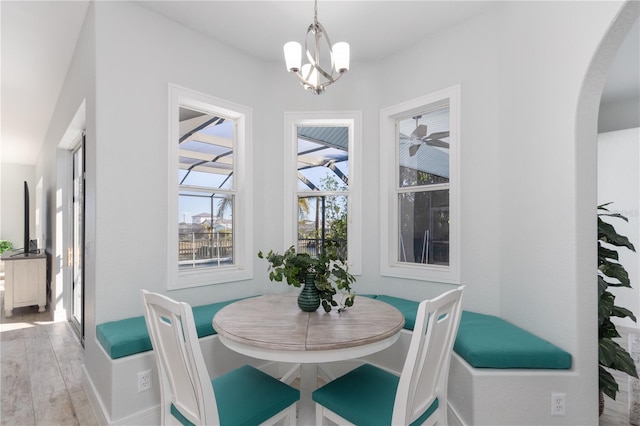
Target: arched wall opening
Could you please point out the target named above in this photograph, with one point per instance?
(586, 178)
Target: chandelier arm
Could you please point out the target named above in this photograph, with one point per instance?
(319, 32)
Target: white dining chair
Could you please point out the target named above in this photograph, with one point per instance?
(369, 395)
(245, 396)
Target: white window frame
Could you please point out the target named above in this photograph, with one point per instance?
(389, 264)
(353, 121)
(242, 269)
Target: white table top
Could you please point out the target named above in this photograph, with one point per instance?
(272, 327)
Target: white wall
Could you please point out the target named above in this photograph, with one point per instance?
(467, 55)
(138, 54)
(618, 115)
(544, 245)
(53, 168)
(12, 204)
(619, 183)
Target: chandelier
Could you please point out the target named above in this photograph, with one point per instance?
(312, 75)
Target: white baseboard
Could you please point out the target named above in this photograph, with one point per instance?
(149, 416)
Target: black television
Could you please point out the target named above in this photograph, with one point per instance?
(26, 219)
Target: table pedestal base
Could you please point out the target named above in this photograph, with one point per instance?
(308, 383)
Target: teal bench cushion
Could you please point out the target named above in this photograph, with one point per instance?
(486, 341)
(409, 308)
(124, 337)
(130, 335)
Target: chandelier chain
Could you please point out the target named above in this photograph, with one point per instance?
(315, 13)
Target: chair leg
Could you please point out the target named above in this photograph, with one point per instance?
(321, 420)
(292, 414)
(291, 375)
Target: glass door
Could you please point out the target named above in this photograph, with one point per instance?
(77, 252)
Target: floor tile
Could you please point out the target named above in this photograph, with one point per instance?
(54, 409)
(41, 369)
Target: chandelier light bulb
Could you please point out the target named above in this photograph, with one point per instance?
(293, 56)
(341, 56)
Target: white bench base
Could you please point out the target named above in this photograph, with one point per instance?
(488, 396)
(476, 396)
(113, 393)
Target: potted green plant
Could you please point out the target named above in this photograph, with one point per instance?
(327, 274)
(5, 246)
(611, 273)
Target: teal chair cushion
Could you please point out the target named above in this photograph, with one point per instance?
(130, 335)
(486, 341)
(246, 397)
(364, 396)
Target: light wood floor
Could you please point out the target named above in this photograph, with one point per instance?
(41, 363)
(616, 413)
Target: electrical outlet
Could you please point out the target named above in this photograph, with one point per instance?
(558, 404)
(144, 380)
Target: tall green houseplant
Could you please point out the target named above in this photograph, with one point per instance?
(611, 273)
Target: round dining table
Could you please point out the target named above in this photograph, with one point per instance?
(273, 328)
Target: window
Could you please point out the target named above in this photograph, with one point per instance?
(210, 239)
(323, 183)
(420, 209)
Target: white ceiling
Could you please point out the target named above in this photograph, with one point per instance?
(38, 39)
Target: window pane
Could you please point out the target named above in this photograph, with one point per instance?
(424, 227)
(205, 230)
(322, 219)
(323, 156)
(423, 151)
(206, 150)
(205, 217)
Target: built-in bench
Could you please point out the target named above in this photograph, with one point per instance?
(494, 365)
(129, 336)
(488, 351)
(484, 341)
(487, 341)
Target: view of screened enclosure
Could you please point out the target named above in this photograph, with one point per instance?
(206, 190)
(423, 187)
(323, 188)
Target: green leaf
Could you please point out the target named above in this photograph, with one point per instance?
(607, 329)
(606, 253)
(602, 286)
(621, 312)
(612, 355)
(617, 271)
(605, 306)
(608, 234)
(607, 383)
(607, 352)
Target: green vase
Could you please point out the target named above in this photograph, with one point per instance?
(309, 299)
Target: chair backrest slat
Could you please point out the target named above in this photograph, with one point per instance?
(180, 361)
(423, 376)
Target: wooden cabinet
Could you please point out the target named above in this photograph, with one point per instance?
(25, 281)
